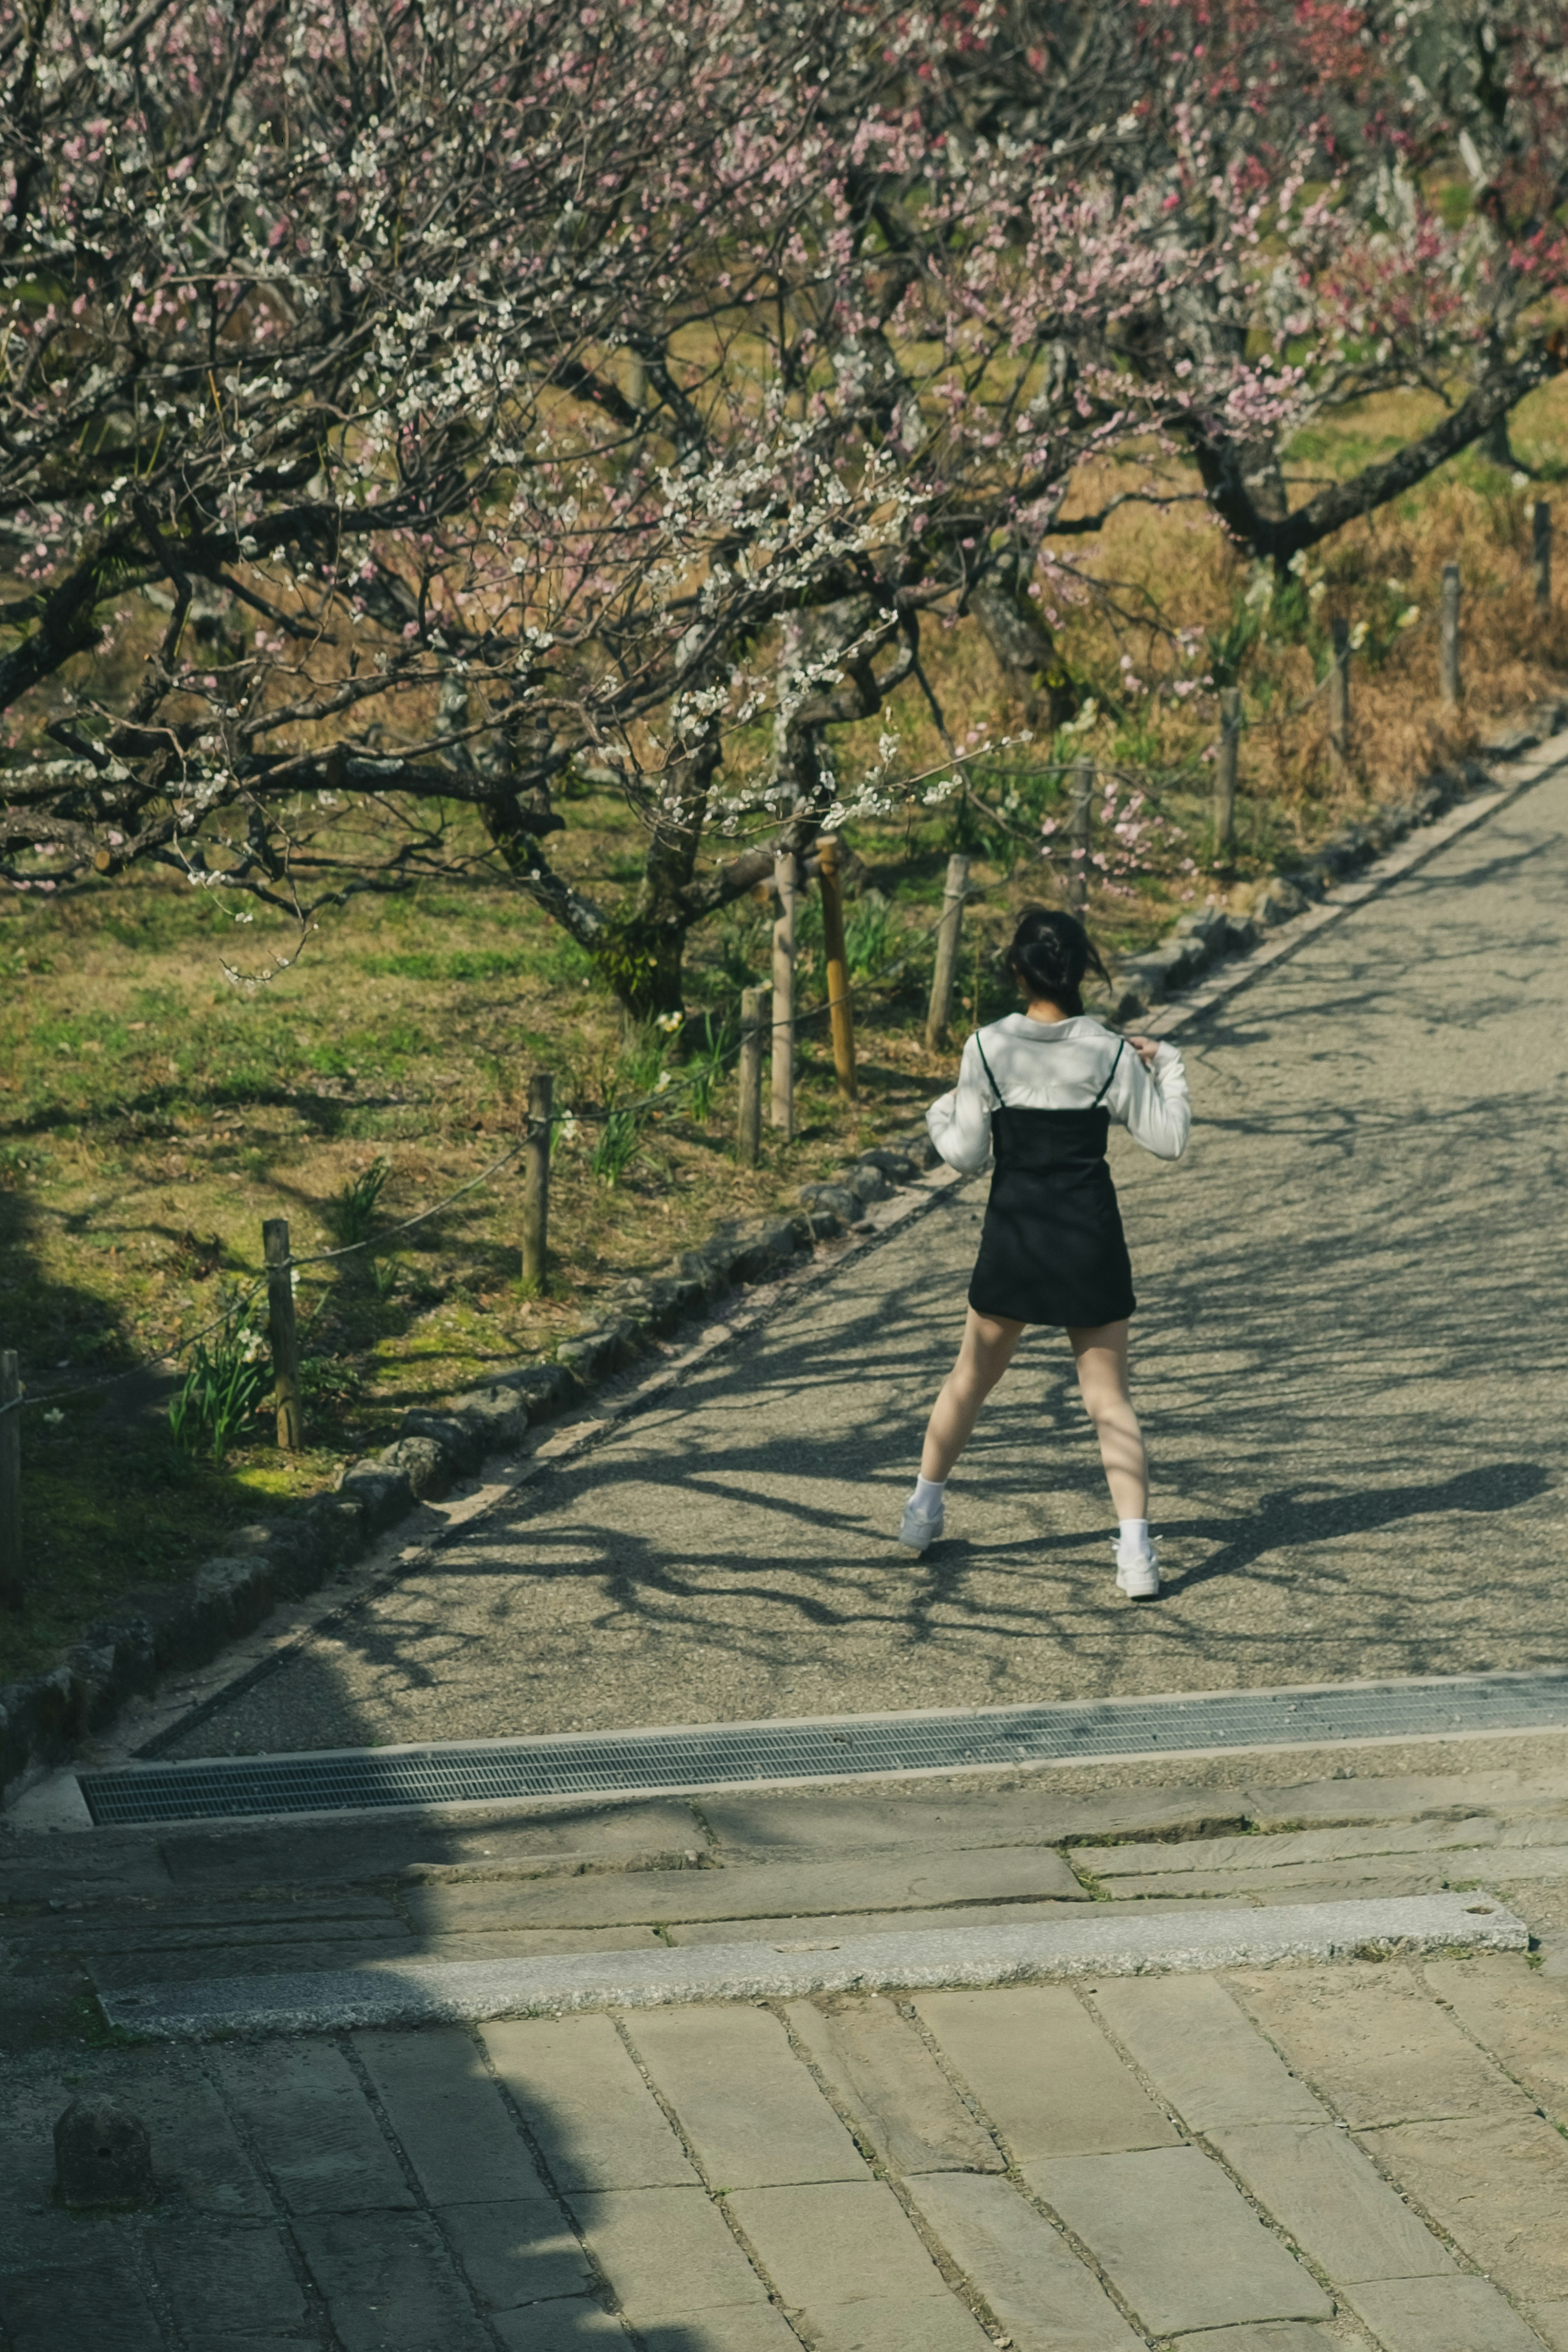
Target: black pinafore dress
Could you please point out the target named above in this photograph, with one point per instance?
(1052, 1249)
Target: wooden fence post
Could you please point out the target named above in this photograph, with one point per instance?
(536, 1185)
(754, 1029)
(1340, 694)
(1541, 520)
(840, 1005)
(1081, 833)
(1224, 773)
(1449, 638)
(287, 1401)
(946, 972)
(781, 1100)
(12, 1588)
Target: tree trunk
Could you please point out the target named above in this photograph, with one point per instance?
(1025, 651)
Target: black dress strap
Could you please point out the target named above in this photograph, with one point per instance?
(986, 1067)
(1099, 1097)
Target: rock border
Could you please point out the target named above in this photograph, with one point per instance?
(156, 1629)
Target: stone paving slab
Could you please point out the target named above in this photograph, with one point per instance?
(748, 2110)
(304, 2113)
(863, 1882)
(1040, 2067)
(1325, 2195)
(1450, 2315)
(578, 2088)
(1188, 2035)
(845, 2255)
(1522, 2020)
(1177, 2240)
(669, 2251)
(449, 2116)
(1021, 2266)
(541, 2176)
(884, 2077)
(1380, 2051)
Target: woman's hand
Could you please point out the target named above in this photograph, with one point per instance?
(1145, 1048)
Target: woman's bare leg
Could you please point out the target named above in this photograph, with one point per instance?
(984, 1355)
(1101, 1356)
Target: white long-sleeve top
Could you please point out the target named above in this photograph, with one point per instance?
(1061, 1065)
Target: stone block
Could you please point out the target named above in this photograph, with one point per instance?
(224, 2278)
(831, 1205)
(449, 2117)
(95, 2305)
(667, 2253)
(896, 1165)
(869, 1183)
(103, 2155)
(1448, 2314)
(422, 1462)
(1042, 2072)
(382, 1495)
(516, 2254)
(498, 1413)
(1024, 2269)
(1177, 2240)
(748, 2108)
(460, 1441)
(312, 2128)
(1189, 2036)
(881, 2073)
(1280, 902)
(340, 1521)
(595, 2119)
(1321, 2189)
(760, 1249)
(390, 2284)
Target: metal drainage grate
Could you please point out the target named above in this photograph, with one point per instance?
(596, 1763)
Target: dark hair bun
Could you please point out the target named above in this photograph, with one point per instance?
(1049, 956)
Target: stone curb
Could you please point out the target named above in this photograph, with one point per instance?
(159, 1629)
(1199, 942)
(427, 1992)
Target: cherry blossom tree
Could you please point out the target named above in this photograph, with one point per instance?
(487, 394)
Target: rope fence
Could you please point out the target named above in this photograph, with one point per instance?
(777, 1026)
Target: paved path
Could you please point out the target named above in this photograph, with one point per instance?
(1309, 2159)
(1349, 1357)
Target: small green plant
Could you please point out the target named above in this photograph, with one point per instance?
(871, 936)
(355, 1205)
(227, 1379)
(620, 1135)
(705, 1067)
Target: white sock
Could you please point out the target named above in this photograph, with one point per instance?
(928, 1494)
(1134, 1534)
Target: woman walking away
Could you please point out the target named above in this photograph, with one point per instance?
(1040, 1089)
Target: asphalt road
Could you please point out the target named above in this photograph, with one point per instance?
(1350, 1358)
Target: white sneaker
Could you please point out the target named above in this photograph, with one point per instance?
(917, 1527)
(1137, 1572)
